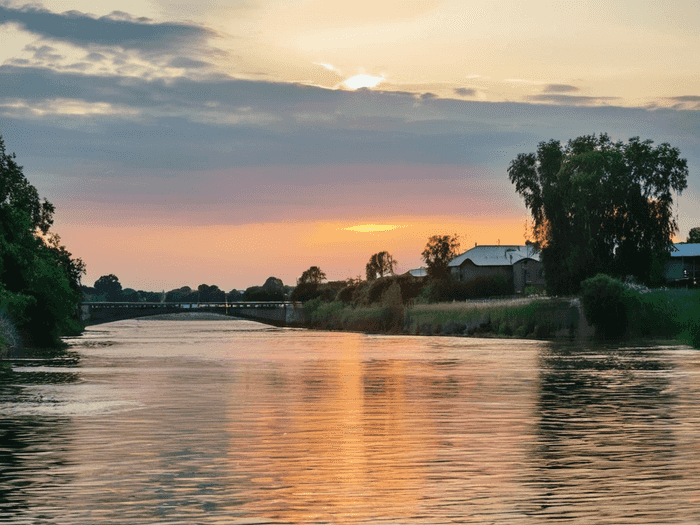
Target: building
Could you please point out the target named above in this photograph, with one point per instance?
(683, 268)
(420, 273)
(519, 265)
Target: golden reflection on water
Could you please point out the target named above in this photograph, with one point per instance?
(227, 423)
(361, 438)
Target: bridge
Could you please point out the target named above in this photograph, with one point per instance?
(276, 313)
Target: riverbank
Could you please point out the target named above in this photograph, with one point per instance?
(525, 317)
(668, 315)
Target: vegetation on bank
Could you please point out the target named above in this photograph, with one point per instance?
(39, 278)
(599, 206)
(617, 309)
(610, 309)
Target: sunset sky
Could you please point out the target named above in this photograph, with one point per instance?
(223, 143)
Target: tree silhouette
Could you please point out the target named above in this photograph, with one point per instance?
(109, 286)
(438, 253)
(380, 264)
(313, 275)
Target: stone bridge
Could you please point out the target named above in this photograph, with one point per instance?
(276, 313)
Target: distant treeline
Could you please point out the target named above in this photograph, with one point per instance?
(108, 288)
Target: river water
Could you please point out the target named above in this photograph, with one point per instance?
(217, 422)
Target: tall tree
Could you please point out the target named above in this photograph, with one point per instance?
(379, 265)
(438, 253)
(600, 206)
(109, 286)
(694, 235)
(313, 275)
(39, 278)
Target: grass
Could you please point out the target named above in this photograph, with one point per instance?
(522, 317)
(659, 313)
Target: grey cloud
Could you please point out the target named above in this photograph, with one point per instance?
(187, 63)
(43, 53)
(427, 96)
(79, 66)
(686, 98)
(117, 29)
(465, 92)
(577, 100)
(95, 57)
(559, 88)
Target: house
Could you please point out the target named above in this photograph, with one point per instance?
(418, 272)
(519, 265)
(684, 266)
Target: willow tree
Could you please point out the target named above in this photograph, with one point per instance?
(600, 206)
(379, 265)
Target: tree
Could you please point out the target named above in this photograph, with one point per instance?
(313, 275)
(600, 206)
(438, 253)
(694, 235)
(109, 286)
(39, 278)
(380, 264)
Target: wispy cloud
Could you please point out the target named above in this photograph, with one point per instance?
(559, 88)
(465, 92)
(373, 228)
(574, 100)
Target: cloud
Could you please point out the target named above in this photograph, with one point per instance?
(372, 228)
(116, 29)
(685, 102)
(559, 88)
(187, 63)
(465, 92)
(574, 100)
(686, 98)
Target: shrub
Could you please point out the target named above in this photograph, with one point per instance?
(605, 305)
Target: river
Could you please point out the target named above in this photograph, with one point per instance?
(218, 422)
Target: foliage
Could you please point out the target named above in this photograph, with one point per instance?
(272, 290)
(694, 235)
(39, 278)
(379, 265)
(308, 285)
(605, 304)
(372, 292)
(109, 286)
(480, 287)
(210, 294)
(600, 206)
(313, 275)
(438, 253)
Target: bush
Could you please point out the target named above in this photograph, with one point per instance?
(452, 290)
(605, 304)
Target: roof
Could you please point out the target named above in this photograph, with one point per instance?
(683, 249)
(418, 272)
(505, 255)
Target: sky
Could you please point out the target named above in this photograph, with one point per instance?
(223, 144)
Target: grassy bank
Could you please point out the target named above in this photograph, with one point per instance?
(522, 317)
(628, 312)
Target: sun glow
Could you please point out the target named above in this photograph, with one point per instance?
(371, 228)
(362, 81)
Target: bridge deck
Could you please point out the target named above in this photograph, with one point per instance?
(277, 313)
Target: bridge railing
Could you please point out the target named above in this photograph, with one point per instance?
(190, 305)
